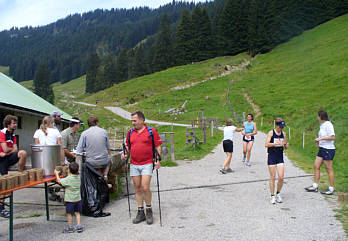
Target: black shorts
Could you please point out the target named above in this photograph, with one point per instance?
(275, 158)
(252, 139)
(73, 207)
(326, 154)
(7, 161)
(228, 145)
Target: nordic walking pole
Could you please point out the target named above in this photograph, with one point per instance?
(158, 158)
(124, 152)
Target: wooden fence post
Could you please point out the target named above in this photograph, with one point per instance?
(172, 152)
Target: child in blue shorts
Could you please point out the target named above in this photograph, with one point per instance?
(72, 197)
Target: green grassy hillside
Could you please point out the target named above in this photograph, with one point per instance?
(299, 78)
(136, 90)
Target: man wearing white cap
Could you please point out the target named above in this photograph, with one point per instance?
(70, 139)
(57, 118)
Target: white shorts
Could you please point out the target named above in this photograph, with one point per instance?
(140, 170)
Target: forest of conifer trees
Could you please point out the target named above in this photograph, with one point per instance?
(112, 46)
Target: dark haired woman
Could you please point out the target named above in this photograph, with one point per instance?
(249, 132)
(275, 143)
(325, 141)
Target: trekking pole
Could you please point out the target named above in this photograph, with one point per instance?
(124, 152)
(158, 158)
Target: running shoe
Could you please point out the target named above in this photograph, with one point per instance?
(248, 164)
(244, 158)
(69, 229)
(311, 189)
(273, 199)
(327, 192)
(79, 228)
(4, 213)
(279, 198)
(229, 170)
(223, 171)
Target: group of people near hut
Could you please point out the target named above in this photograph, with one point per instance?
(141, 143)
(276, 143)
(94, 145)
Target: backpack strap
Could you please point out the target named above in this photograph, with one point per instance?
(149, 129)
(129, 135)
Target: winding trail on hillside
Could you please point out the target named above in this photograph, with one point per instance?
(242, 66)
(127, 115)
(200, 203)
(256, 108)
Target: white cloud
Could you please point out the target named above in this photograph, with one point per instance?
(21, 13)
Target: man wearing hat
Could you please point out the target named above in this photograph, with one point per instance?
(57, 118)
(70, 139)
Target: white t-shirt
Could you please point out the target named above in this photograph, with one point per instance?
(228, 132)
(326, 130)
(50, 139)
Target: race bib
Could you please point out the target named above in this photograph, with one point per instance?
(277, 141)
(248, 138)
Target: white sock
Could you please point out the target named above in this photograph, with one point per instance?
(331, 189)
(315, 185)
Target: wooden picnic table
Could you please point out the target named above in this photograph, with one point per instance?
(9, 194)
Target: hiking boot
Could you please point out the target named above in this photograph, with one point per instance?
(223, 171)
(273, 199)
(149, 217)
(4, 213)
(311, 189)
(79, 228)
(69, 229)
(229, 170)
(279, 198)
(140, 217)
(327, 192)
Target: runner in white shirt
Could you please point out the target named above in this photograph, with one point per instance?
(325, 141)
(228, 145)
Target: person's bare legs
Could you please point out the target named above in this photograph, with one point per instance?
(227, 162)
(329, 169)
(245, 148)
(22, 156)
(249, 146)
(78, 218)
(70, 223)
(272, 172)
(280, 172)
(145, 186)
(138, 191)
(317, 164)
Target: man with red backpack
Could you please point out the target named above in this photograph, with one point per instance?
(143, 144)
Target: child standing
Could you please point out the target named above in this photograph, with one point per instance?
(72, 197)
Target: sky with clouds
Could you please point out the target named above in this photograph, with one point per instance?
(20, 13)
